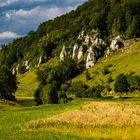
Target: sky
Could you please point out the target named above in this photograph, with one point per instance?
(18, 17)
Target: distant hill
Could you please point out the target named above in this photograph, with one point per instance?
(108, 17)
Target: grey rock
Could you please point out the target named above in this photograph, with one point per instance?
(63, 54)
(75, 52)
(90, 60)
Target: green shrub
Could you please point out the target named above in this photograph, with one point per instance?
(62, 95)
(49, 93)
(37, 97)
(105, 70)
(121, 84)
(95, 91)
(22, 69)
(133, 81)
(79, 89)
(109, 80)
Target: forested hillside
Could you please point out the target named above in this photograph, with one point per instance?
(95, 29)
(109, 17)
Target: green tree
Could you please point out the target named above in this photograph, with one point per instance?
(133, 29)
(64, 89)
(116, 27)
(95, 91)
(79, 89)
(50, 93)
(121, 84)
(133, 81)
(8, 83)
(37, 96)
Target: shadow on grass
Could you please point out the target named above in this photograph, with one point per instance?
(26, 102)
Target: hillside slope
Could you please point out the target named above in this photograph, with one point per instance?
(124, 61)
(108, 17)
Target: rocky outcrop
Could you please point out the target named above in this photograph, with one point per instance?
(63, 54)
(17, 69)
(40, 61)
(87, 39)
(26, 64)
(93, 46)
(116, 43)
(90, 60)
(14, 71)
(80, 53)
(75, 52)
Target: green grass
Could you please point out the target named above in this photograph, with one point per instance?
(13, 122)
(15, 116)
(27, 84)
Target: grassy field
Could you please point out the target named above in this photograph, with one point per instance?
(79, 119)
(27, 84)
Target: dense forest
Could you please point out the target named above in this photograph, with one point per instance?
(109, 18)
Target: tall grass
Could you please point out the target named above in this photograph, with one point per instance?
(108, 120)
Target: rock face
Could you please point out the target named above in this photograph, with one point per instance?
(87, 40)
(26, 64)
(63, 54)
(115, 43)
(14, 71)
(75, 52)
(93, 46)
(90, 60)
(40, 61)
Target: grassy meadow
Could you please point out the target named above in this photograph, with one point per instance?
(110, 118)
(79, 119)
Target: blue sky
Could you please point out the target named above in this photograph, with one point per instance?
(18, 17)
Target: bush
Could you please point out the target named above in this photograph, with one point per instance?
(49, 93)
(121, 84)
(105, 70)
(22, 69)
(37, 97)
(79, 89)
(95, 91)
(133, 81)
(109, 80)
(63, 93)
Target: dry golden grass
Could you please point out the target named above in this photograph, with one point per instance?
(96, 114)
(107, 120)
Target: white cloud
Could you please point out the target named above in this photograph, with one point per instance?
(8, 35)
(21, 21)
(22, 16)
(6, 2)
(37, 12)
